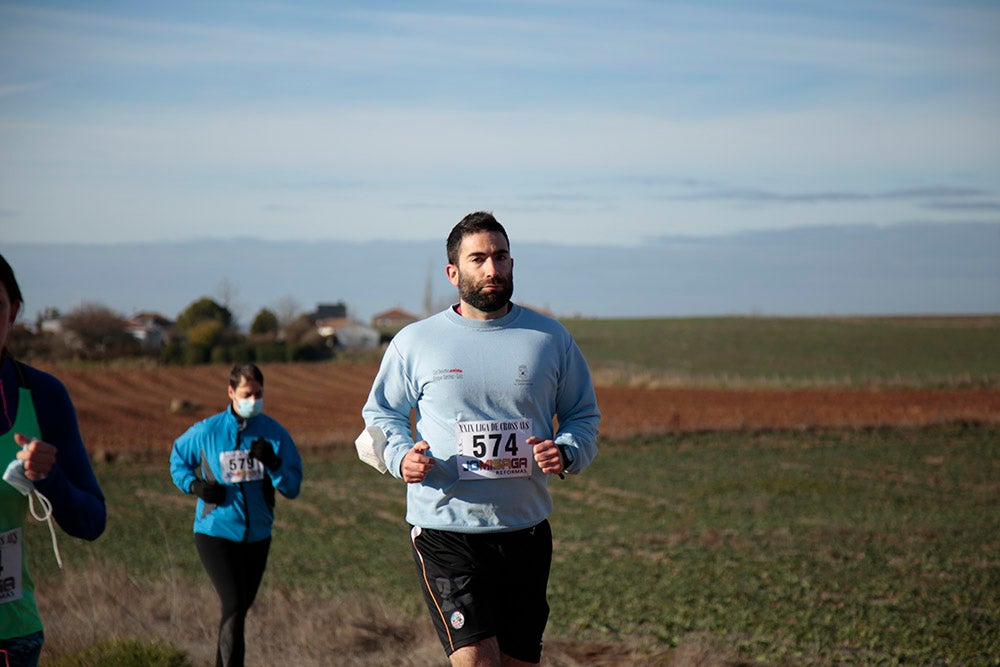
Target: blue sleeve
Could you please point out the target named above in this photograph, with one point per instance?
(576, 410)
(77, 500)
(389, 405)
(185, 458)
(287, 479)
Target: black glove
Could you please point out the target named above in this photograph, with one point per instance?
(262, 450)
(210, 492)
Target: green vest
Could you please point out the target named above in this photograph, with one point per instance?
(18, 611)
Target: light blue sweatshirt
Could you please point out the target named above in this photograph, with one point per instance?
(480, 388)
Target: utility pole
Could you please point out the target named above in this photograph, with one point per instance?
(428, 294)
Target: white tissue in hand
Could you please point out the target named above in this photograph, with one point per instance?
(14, 475)
(371, 447)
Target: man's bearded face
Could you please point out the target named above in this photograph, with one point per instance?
(487, 295)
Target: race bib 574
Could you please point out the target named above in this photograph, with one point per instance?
(490, 450)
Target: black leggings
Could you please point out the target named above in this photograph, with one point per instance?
(235, 569)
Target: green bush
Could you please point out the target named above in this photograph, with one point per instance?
(270, 353)
(220, 355)
(266, 322)
(194, 355)
(206, 334)
(204, 310)
(240, 354)
(173, 353)
(307, 353)
(125, 652)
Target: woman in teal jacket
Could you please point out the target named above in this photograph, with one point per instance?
(243, 456)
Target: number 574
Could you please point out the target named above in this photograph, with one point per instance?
(480, 445)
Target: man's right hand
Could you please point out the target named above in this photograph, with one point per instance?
(415, 465)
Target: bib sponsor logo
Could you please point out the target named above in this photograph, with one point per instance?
(498, 466)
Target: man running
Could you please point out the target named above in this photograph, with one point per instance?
(486, 378)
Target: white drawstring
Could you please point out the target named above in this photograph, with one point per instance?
(47, 518)
(15, 476)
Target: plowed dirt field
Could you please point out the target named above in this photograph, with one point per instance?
(128, 410)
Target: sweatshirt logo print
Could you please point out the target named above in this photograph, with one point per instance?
(447, 374)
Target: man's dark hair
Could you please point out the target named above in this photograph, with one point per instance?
(248, 371)
(474, 223)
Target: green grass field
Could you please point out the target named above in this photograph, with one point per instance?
(812, 547)
(898, 351)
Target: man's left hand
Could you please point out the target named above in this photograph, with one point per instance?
(546, 455)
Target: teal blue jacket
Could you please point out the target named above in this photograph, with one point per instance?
(218, 446)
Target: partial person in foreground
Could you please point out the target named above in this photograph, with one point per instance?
(42, 452)
(486, 377)
(233, 462)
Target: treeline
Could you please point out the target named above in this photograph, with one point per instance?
(205, 332)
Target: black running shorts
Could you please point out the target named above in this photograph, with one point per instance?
(481, 585)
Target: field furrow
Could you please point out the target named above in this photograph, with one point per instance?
(128, 409)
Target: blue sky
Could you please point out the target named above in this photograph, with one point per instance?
(575, 121)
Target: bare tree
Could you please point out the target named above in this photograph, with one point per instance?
(287, 309)
(228, 294)
(300, 331)
(94, 331)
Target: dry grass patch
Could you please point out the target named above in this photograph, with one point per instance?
(284, 628)
(85, 608)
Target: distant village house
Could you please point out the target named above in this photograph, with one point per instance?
(393, 320)
(332, 323)
(152, 330)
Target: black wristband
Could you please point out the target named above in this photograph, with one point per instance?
(566, 455)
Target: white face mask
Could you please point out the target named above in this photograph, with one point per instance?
(14, 475)
(249, 407)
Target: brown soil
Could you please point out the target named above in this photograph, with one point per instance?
(129, 409)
